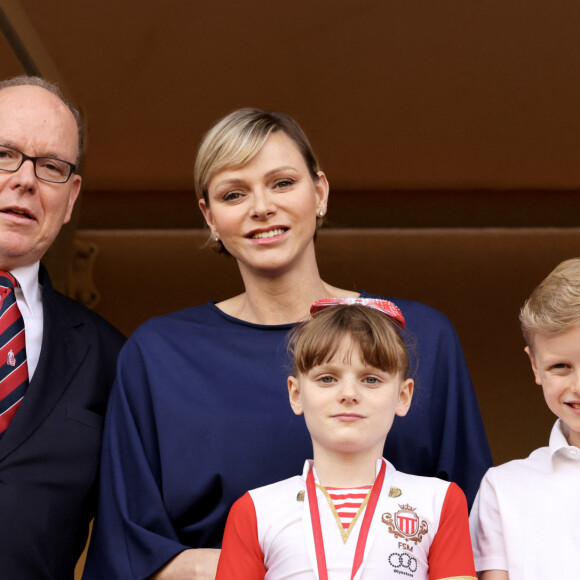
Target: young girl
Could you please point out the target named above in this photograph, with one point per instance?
(350, 514)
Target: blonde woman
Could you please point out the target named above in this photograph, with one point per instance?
(199, 413)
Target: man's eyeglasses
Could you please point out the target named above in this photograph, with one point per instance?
(45, 168)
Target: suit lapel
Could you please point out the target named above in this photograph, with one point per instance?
(63, 350)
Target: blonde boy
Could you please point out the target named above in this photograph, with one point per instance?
(525, 522)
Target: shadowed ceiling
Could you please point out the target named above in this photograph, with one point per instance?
(394, 94)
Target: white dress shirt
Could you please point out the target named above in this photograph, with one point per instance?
(29, 300)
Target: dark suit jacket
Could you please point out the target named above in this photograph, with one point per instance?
(49, 455)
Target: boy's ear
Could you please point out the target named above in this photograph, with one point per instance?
(405, 396)
(294, 395)
(534, 367)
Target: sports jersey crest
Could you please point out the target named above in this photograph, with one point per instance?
(406, 524)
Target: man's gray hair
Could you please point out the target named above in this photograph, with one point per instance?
(25, 80)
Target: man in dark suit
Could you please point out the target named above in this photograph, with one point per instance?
(50, 440)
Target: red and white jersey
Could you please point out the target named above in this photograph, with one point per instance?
(419, 531)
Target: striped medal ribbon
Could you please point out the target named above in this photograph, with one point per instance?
(364, 530)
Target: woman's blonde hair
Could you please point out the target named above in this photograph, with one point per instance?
(554, 306)
(377, 338)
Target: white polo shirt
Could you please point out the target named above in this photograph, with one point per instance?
(526, 516)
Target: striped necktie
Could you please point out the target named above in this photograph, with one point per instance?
(13, 366)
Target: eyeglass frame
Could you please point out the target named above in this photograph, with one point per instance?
(25, 158)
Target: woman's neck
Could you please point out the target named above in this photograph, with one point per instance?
(279, 299)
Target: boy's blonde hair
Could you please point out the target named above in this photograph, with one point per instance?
(554, 306)
(377, 338)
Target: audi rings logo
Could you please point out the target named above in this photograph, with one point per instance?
(403, 563)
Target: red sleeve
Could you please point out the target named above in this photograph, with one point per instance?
(450, 555)
(241, 557)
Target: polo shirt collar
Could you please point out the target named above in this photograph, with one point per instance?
(559, 442)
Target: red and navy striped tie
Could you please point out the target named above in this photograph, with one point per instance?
(13, 366)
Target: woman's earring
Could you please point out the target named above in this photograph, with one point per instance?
(215, 238)
(321, 213)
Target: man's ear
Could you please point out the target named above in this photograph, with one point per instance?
(75, 189)
(294, 395)
(534, 367)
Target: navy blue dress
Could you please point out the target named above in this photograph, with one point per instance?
(199, 415)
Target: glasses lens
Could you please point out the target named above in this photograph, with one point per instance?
(53, 170)
(9, 158)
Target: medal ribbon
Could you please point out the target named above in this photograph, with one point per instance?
(364, 530)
